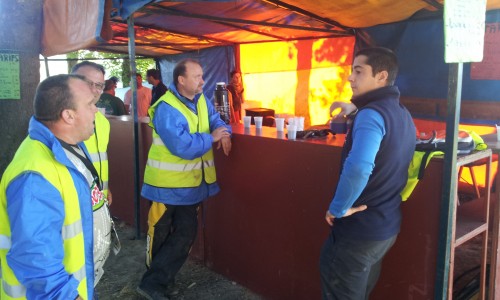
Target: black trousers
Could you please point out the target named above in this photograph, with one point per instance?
(173, 235)
(350, 268)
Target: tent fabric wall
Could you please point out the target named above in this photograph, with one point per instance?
(71, 25)
(423, 72)
(298, 78)
(217, 63)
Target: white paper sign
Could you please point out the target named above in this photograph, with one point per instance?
(464, 30)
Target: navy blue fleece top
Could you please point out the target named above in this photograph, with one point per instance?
(375, 163)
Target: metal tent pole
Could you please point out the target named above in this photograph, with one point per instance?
(133, 86)
(447, 206)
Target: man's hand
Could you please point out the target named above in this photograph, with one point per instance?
(110, 197)
(345, 108)
(329, 217)
(219, 133)
(226, 145)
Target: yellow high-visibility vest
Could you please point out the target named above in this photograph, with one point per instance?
(164, 169)
(34, 156)
(97, 146)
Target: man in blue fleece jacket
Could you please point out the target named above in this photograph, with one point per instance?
(364, 214)
(179, 175)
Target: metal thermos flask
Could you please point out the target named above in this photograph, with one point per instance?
(222, 102)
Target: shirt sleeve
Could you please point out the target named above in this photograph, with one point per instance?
(173, 129)
(368, 131)
(36, 214)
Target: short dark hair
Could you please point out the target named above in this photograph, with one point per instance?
(381, 59)
(109, 85)
(180, 68)
(153, 73)
(53, 95)
(87, 63)
(114, 79)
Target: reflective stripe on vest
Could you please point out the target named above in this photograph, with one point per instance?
(72, 230)
(164, 169)
(34, 156)
(13, 291)
(5, 242)
(100, 156)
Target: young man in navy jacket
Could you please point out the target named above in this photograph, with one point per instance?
(364, 214)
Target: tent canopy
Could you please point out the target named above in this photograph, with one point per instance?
(166, 27)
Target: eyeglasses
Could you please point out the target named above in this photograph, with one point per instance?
(96, 85)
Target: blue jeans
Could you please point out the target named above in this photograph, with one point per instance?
(350, 268)
(174, 234)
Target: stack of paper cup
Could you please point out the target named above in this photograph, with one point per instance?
(292, 132)
(247, 120)
(299, 122)
(258, 121)
(280, 124)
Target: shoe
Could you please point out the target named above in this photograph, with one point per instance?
(172, 289)
(151, 295)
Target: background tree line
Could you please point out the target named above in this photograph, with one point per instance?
(114, 64)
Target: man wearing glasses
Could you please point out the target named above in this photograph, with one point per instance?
(97, 146)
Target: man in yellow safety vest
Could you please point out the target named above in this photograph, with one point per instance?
(179, 175)
(46, 192)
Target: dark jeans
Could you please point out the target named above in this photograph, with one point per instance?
(350, 268)
(174, 234)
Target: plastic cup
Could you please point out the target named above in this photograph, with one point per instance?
(299, 122)
(247, 120)
(280, 124)
(258, 121)
(292, 132)
(498, 132)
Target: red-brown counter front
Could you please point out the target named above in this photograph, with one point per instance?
(266, 227)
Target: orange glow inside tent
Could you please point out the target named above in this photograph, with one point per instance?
(299, 78)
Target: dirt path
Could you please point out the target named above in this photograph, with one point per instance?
(123, 273)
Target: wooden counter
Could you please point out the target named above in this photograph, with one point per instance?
(266, 227)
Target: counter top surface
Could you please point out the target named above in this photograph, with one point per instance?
(272, 133)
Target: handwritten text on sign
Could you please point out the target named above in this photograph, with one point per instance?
(464, 30)
(9, 76)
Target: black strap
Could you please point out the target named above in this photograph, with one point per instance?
(85, 160)
(423, 164)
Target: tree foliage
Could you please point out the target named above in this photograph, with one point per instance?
(114, 64)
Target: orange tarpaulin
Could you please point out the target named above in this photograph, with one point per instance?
(298, 78)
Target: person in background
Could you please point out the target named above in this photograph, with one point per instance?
(45, 198)
(144, 95)
(97, 146)
(159, 89)
(113, 105)
(364, 214)
(179, 175)
(115, 81)
(235, 88)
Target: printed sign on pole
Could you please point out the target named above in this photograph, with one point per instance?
(10, 87)
(464, 30)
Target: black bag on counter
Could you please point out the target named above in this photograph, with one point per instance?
(313, 133)
(436, 141)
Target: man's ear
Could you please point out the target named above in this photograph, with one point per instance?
(382, 76)
(68, 116)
